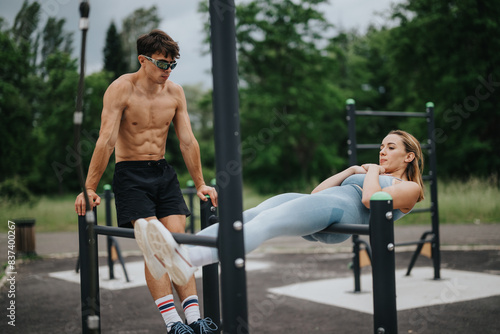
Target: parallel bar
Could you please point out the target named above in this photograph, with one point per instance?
(391, 113)
(181, 238)
(228, 165)
(347, 229)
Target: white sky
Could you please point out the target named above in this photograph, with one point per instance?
(182, 21)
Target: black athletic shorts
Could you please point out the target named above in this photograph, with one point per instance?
(146, 188)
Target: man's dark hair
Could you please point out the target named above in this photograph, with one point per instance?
(157, 41)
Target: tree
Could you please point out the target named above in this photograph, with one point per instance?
(55, 39)
(291, 110)
(442, 51)
(16, 111)
(56, 157)
(140, 22)
(115, 60)
(24, 29)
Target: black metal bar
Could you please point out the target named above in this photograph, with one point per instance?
(356, 268)
(228, 163)
(89, 277)
(109, 242)
(415, 255)
(357, 259)
(391, 113)
(383, 264)
(411, 243)
(352, 151)
(211, 304)
(367, 248)
(348, 229)
(351, 128)
(191, 193)
(120, 258)
(436, 253)
(181, 238)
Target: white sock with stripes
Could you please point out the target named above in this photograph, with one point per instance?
(191, 309)
(167, 309)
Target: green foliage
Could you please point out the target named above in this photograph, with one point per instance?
(16, 110)
(296, 72)
(14, 191)
(114, 57)
(141, 21)
(56, 156)
(443, 51)
(55, 39)
(290, 110)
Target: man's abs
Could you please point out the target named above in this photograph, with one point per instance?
(144, 128)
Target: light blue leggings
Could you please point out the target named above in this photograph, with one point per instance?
(293, 214)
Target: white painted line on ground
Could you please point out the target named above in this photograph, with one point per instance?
(417, 290)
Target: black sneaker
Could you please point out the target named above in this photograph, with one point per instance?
(180, 328)
(204, 326)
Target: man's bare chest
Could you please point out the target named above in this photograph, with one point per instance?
(149, 112)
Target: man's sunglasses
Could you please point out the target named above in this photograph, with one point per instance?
(161, 64)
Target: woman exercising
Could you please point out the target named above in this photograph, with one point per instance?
(344, 198)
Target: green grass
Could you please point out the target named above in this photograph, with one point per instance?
(475, 201)
(51, 214)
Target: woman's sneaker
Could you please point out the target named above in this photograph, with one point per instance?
(156, 268)
(165, 249)
(203, 326)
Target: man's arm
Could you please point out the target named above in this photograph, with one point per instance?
(114, 103)
(190, 148)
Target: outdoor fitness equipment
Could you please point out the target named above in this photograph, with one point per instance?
(229, 179)
(430, 237)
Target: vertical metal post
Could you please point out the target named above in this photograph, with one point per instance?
(228, 163)
(107, 207)
(89, 277)
(436, 253)
(191, 193)
(353, 159)
(355, 263)
(385, 318)
(351, 128)
(211, 305)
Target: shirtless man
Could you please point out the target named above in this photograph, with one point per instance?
(138, 109)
